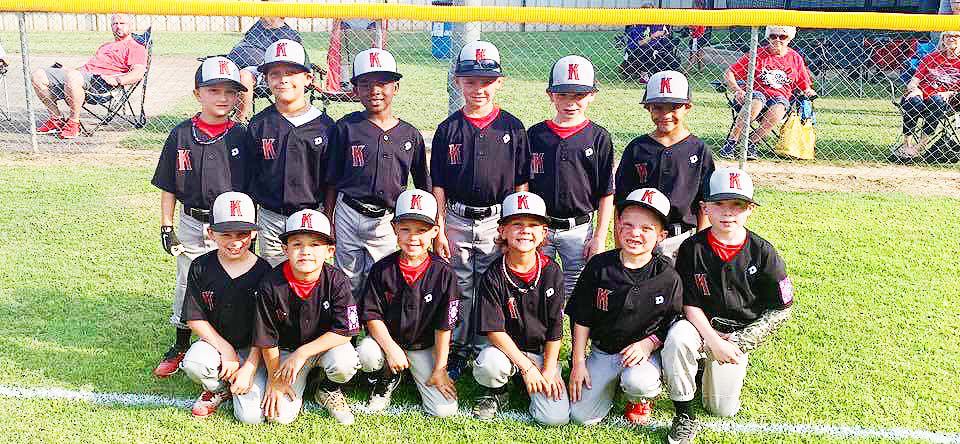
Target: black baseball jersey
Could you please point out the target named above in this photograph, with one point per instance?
(284, 320)
(622, 306)
(412, 313)
(572, 174)
(680, 172)
(372, 165)
(227, 303)
(197, 169)
(480, 167)
(753, 281)
(289, 162)
(531, 317)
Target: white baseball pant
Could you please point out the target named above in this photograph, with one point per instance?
(202, 365)
(493, 369)
(372, 360)
(193, 235)
(568, 246)
(642, 381)
(361, 242)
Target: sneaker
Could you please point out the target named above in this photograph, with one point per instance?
(52, 125)
(382, 391)
(752, 152)
(729, 149)
(455, 367)
(489, 404)
(70, 130)
(683, 430)
(639, 413)
(336, 405)
(208, 402)
(170, 363)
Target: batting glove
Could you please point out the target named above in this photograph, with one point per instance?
(169, 241)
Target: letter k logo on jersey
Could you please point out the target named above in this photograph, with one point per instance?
(183, 161)
(536, 163)
(356, 152)
(269, 152)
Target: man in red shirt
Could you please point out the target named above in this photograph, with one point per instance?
(120, 62)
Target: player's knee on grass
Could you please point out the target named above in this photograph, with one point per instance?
(548, 412)
(371, 356)
(723, 406)
(250, 416)
(492, 368)
(340, 363)
(441, 410)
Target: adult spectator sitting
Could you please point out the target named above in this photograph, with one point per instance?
(779, 71)
(248, 54)
(120, 62)
(648, 49)
(930, 95)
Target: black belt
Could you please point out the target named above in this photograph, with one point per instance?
(198, 214)
(678, 229)
(370, 210)
(566, 224)
(471, 212)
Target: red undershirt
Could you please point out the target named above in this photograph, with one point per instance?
(485, 121)
(528, 276)
(211, 129)
(300, 288)
(724, 251)
(412, 274)
(565, 132)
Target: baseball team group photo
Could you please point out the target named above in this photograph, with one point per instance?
(489, 242)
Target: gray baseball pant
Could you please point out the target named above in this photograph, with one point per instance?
(493, 369)
(722, 383)
(642, 381)
(193, 235)
(568, 245)
(269, 246)
(421, 367)
(361, 242)
(472, 250)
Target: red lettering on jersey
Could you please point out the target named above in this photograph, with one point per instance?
(415, 202)
(665, 85)
(453, 154)
(641, 172)
(306, 221)
(536, 163)
(224, 67)
(573, 71)
(281, 49)
(647, 197)
(235, 210)
(523, 202)
(512, 308)
(183, 161)
(701, 280)
(375, 59)
(269, 153)
(480, 54)
(207, 298)
(603, 298)
(356, 152)
(735, 181)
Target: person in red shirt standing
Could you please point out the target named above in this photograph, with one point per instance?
(780, 70)
(120, 62)
(931, 94)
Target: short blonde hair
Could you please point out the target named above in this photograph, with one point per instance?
(790, 31)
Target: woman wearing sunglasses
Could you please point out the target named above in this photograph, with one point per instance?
(780, 71)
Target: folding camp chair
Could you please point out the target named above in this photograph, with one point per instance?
(797, 102)
(107, 103)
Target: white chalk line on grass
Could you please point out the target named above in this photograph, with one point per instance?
(143, 400)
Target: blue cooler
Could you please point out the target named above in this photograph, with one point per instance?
(440, 40)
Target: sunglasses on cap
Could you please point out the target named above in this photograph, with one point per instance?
(474, 65)
(778, 37)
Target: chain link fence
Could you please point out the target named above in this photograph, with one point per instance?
(859, 77)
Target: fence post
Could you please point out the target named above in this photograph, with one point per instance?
(463, 33)
(27, 88)
(748, 97)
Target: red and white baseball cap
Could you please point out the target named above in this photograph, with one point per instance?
(216, 70)
(416, 205)
(307, 221)
(233, 211)
(478, 59)
(372, 61)
(730, 183)
(572, 74)
(523, 203)
(285, 51)
(667, 87)
(650, 198)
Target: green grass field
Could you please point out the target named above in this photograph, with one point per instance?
(85, 293)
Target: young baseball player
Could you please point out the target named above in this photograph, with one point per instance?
(480, 155)
(521, 312)
(203, 157)
(290, 140)
(736, 294)
(669, 158)
(219, 307)
(371, 155)
(571, 159)
(410, 304)
(624, 303)
(305, 318)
